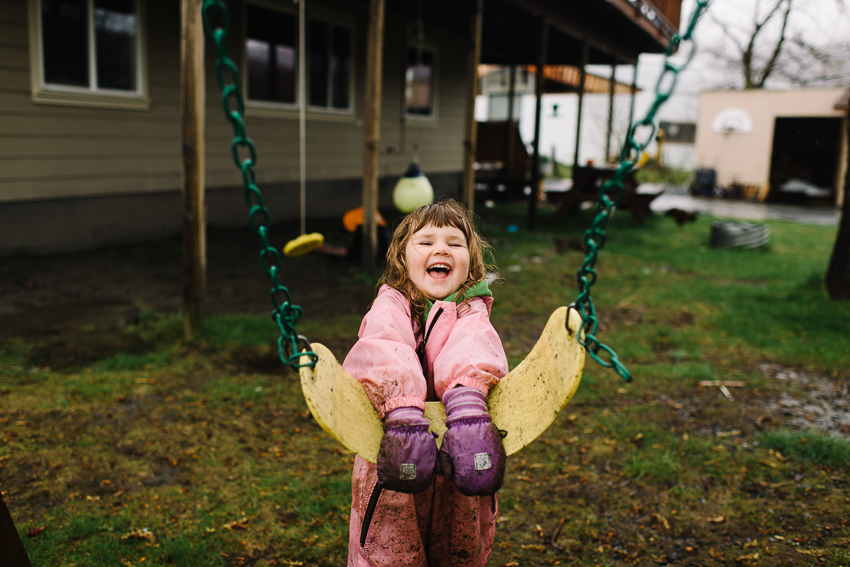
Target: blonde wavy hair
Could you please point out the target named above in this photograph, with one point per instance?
(440, 214)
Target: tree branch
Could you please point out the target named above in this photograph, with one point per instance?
(771, 64)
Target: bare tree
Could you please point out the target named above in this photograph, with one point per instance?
(838, 273)
(768, 46)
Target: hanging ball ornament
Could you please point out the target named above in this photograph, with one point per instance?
(412, 190)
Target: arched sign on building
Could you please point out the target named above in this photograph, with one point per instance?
(732, 121)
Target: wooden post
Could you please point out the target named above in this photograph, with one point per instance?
(470, 142)
(585, 59)
(302, 114)
(610, 111)
(632, 103)
(539, 83)
(509, 126)
(372, 130)
(192, 113)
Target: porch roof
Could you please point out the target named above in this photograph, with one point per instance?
(616, 29)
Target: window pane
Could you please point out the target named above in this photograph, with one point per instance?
(340, 67)
(272, 55)
(318, 51)
(259, 63)
(64, 32)
(419, 80)
(115, 24)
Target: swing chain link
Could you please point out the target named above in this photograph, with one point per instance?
(639, 136)
(286, 314)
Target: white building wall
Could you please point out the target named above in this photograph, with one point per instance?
(745, 157)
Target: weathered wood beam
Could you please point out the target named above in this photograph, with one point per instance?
(470, 142)
(539, 84)
(610, 130)
(372, 130)
(585, 59)
(192, 112)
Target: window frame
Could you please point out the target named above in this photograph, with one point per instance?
(331, 22)
(91, 96)
(270, 109)
(430, 120)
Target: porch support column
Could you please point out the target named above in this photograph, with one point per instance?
(470, 142)
(610, 130)
(539, 83)
(585, 59)
(632, 102)
(372, 130)
(509, 124)
(193, 115)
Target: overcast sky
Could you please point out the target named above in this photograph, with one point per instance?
(823, 23)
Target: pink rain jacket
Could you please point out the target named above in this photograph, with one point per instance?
(439, 527)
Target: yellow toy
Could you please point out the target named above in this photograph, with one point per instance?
(523, 404)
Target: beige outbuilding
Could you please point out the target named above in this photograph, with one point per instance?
(778, 145)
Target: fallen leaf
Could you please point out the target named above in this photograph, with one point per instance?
(34, 532)
(733, 433)
(236, 524)
(143, 533)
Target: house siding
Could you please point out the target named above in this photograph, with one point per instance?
(51, 154)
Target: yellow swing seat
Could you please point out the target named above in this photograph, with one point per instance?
(304, 244)
(524, 403)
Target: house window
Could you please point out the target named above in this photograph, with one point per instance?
(272, 49)
(419, 82)
(90, 45)
(330, 65)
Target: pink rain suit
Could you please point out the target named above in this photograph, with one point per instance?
(438, 527)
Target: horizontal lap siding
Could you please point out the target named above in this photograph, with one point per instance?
(49, 151)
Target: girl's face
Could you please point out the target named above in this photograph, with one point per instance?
(437, 260)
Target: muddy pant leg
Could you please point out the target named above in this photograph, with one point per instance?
(462, 527)
(385, 530)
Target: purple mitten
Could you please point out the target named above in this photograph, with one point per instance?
(408, 452)
(472, 448)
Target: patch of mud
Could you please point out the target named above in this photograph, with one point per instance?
(825, 406)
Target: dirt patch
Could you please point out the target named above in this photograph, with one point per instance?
(76, 307)
(824, 405)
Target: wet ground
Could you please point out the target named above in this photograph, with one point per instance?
(677, 198)
(75, 305)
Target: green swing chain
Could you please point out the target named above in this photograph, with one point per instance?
(285, 313)
(594, 237)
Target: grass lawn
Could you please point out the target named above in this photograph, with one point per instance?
(204, 453)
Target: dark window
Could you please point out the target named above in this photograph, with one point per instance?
(330, 65)
(115, 43)
(65, 37)
(67, 49)
(419, 82)
(683, 132)
(319, 51)
(341, 67)
(272, 54)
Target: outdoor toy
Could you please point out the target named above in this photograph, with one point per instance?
(551, 372)
(524, 403)
(412, 190)
(303, 244)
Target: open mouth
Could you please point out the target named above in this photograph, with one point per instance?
(439, 270)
